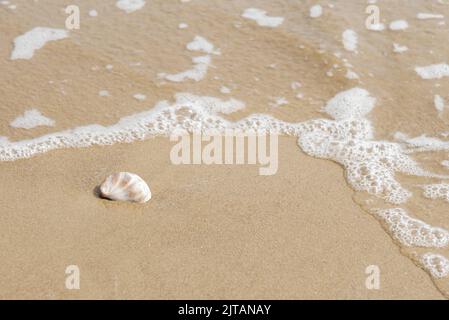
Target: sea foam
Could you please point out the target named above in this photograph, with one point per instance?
(439, 103)
(398, 25)
(436, 264)
(26, 44)
(437, 191)
(200, 64)
(397, 48)
(425, 16)
(350, 40)
(347, 138)
(261, 17)
(130, 5)
(30, 119)
(434, 71)
(410, 231)
(316, 11)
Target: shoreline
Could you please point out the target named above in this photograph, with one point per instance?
(176, 247)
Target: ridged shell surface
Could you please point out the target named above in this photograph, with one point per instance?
(125, 186)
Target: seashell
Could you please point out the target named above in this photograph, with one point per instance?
(125, 186)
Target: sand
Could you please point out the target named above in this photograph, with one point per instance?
(209, 232)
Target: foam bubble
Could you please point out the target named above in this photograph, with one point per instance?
(445, 163)
(26, 44)
(410, 231)
(397, 48)
(295, 85)
(200, 64)
(130, 5)
(353, 103)
(437, 191)
(30, 119)
(398, 25)
(434, 71)
(225, 90)
(103, 93)
(369, 165)
(197, 72)
(140, 96)
(439, 103)
(316, 11)
(260, 16)
(8, 4)
(350, 40)
(425, 16)
(436, 264)
(201, 44)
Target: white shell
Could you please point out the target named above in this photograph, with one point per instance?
(125, 186)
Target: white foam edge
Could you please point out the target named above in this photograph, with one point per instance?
(128, 129)
(347, 140)
(411, 231)
(436, 264)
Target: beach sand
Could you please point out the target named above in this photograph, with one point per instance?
(211, 231)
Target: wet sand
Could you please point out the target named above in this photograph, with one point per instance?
(209, 232)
